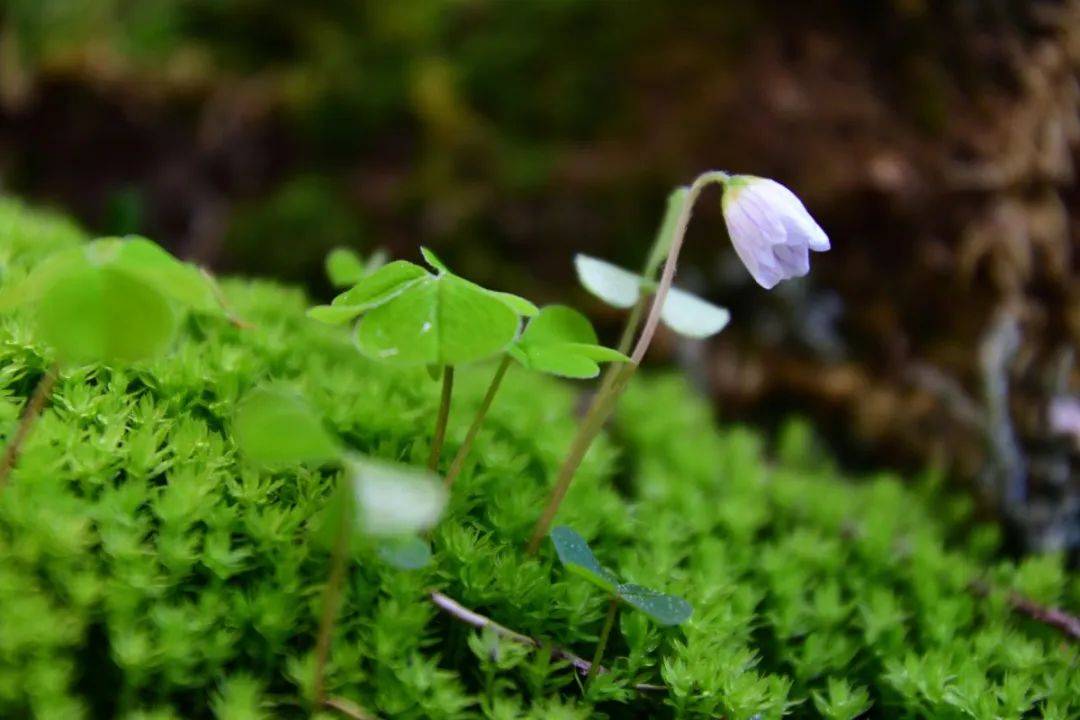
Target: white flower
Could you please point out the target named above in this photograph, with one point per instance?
(770, 228)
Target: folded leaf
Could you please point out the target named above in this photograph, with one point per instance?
(575, 554)
(381, 285)
(664, 609)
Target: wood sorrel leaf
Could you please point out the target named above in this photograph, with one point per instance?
(516, 303)
(181, 281)
(561, 341)
(111, 299)
(274, 426)
(394, 499)
(663, 609)
(94, 314)
(574, 553)
(433, 260)
(344, 267)
(440, 320)
(407, 552)
(615, 286)
(381, 285)
(691, 316)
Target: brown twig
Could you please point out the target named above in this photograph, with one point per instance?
(29, 418)
(348, 708)
(471, 617)
(1066, 623)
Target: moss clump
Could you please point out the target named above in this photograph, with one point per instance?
(146, 573)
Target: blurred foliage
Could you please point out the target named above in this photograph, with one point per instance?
(145, 572)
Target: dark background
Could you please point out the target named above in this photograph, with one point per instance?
(935, 142)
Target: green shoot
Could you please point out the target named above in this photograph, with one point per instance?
(578, 558)
(410, 316)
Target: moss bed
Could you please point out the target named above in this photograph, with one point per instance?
(145, 572)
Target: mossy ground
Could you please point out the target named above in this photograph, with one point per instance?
(145, 572)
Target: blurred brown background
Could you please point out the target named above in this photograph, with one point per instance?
(935, 141)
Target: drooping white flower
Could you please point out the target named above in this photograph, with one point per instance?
(770, 228)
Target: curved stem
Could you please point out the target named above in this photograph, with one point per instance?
(444, 414)
(331, 601)
(604, 402)
(30, 416)
(474, 429)
(605, 633)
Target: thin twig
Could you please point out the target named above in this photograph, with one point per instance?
(471, 617)
(30, 417)
(1066, 623)
(331, 601)
(348, 708)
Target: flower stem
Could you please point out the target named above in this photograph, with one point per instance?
(444, 415)
(604, 402)
(474, 429)
(605, 633)
(30, 416)
(331, 601)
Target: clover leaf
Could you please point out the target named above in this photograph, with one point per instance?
(683, 312)
(113, 299)
(576, 555)
(411, 316)
(561, 341)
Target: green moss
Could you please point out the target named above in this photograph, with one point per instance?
(146, 573)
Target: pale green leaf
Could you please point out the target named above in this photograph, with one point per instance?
(381, 285)
(663, 609)
(333, 314)
(575, 554)
(344, 267)
(99, 314)
(516, 303)
(441, 320)
(274, 426)
(149, 262)
(665, 235)
(558, 324)
(559, 359)
(691, 316)
(612, 284)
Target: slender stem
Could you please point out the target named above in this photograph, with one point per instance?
(444, 415)
(604, 402)
(470, 617)
(331, 601)
(474, 429)
(42, 392)
(605, 633)
(632, 324)
(588, 429)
